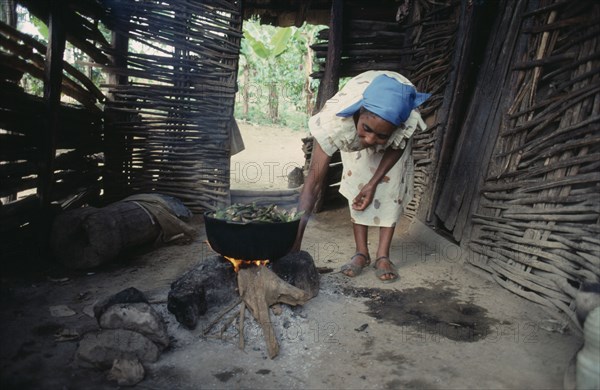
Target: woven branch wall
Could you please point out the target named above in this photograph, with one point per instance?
(25, 151)
(537, 226)
(433, 42)
(168, 127)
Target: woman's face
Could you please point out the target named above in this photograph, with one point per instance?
(373, 130)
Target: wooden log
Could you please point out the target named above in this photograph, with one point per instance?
(260, 288)
(88, 237)
(241, 325)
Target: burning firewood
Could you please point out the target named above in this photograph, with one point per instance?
(293, 280)
(260, 288)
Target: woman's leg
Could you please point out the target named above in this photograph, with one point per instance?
(383, 252)
(360, 238)
(361, 259)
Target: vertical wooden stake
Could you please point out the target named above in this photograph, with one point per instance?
(115, 181)
(53, 74)
(241, 325)
(331, 77)
(52, 90)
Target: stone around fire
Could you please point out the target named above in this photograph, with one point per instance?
(139, 317)
(210, 283)
(299, 270)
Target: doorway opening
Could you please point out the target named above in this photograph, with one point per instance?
(274, 100)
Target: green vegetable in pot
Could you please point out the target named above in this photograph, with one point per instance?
(239, 212)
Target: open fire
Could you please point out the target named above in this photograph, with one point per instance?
(240, 263)
(237, 263)
(292, 280)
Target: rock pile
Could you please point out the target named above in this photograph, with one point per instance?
(131, 333)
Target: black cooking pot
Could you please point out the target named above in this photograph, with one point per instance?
(252, 240)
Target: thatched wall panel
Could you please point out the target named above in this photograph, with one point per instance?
(169, 127)
(24, 120)
(433, 37)
(539, 217)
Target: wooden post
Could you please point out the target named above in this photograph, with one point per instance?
(8, 14)
(52, 90)
(53, 73)
(9, 9)
(455, 99)
(303, 8)
(331, 77)
(479, 128)
(114, 177)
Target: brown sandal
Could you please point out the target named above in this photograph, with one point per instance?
(355, 268)
(379, 272)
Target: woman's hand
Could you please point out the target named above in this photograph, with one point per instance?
(367, 193)
(364, 197)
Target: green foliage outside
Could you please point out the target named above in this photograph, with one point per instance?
(274, 86)
(30, 24)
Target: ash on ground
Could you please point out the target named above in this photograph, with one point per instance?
(290, 324)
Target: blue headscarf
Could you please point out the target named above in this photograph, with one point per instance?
(389, 99)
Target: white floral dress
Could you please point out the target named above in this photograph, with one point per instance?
(333, 133)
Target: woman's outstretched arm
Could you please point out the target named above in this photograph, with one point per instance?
(313, 184)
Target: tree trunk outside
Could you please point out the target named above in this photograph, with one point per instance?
(308, 92)
(9, 12)
(245, 90)
(273, 103)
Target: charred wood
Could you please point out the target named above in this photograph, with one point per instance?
(212, 283)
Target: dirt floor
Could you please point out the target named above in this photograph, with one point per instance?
(439, 327)
(270, 154)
